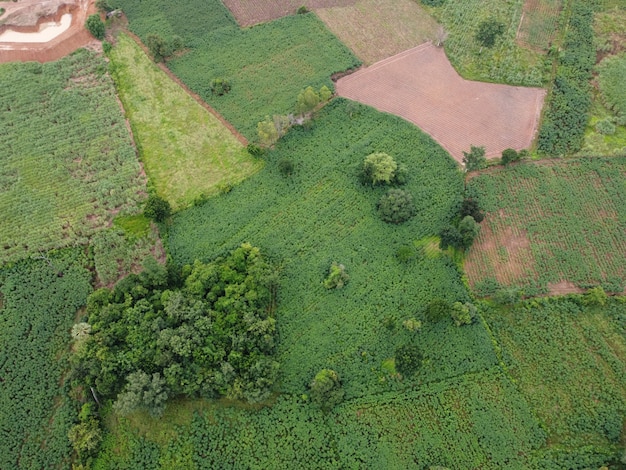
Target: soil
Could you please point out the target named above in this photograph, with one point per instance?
(27, 16)
(251, 12)
(421, 86)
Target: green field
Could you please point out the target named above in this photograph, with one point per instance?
(569, 363)
(267, 65)
(66, 159)
(552, 222)
(39, 299)
(186, 151)
(506, 61)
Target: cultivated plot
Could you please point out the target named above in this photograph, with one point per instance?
(421, 86)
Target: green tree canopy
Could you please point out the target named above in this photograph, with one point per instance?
(378, 168)
(474, 159)
(95, 26)
(396, 206)
(326, 390)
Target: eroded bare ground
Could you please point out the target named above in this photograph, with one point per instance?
(26, 15)
(421, 86)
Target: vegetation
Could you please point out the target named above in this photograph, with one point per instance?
(488, 31)
(150, 340)
(611, 72)
(39, 298)
(185, 150)
(157, 208)
(474, 159)
(66, 159)
(396, 206)
(379, 168)
(95, 26)
(566, 218)
(326, 391)
(337, 277)
(266, 65)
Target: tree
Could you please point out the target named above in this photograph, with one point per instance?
(449, 237)
(509, 156)
(468, 229)
(325, 94)
(337, 277)
(474, 159)
(162, 49)
(326, 390)
(157, 208)
(408, 359)
(85, 437)
(268, 134)
(437, 309)
(595, 296)
(220, 86)
(379, 167)
(142, 391)
(307, 100)
(471, 207)
(285, 166)
(396, 206)
(95, 26)
(463, 313)
(488, 32)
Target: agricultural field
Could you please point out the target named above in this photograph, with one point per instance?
(186, 151)
(421, 86)
(568, 360)
(539, 23)
(551, 226)
(39, 300)
(67, 164)
(505, 62)
(267, 66)
(249, 13)
(375, 30)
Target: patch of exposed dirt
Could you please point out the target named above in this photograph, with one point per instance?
(421, 86)
(564, 287)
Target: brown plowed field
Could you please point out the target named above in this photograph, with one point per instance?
(74, 38)
(251, 12)
(421, 86)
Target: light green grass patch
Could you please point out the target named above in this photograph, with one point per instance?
(187, 152)
(134, 226)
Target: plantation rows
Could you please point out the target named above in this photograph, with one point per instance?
(540, 24)
(569, 357)
(39, 299)
(571, 214)
(266, 65)
(66, 156)
(506, 62)
(473, 422)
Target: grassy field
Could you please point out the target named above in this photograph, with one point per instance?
(507, 61)
(321, 214)
(569, 362)
(66, 159)
(186, 151)
(267, 65)
(552, 222)
(375, 30)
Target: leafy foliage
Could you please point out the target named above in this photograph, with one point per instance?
(337, 277)
(408, 359)
(379, 167)
(396, 206)
(215, 336)
(157, 208)
(611, 73)
(220, 86)
(39, 299)
(474, 159)
(66, 158)
(95, 26)
(488, 31)
(326, 391)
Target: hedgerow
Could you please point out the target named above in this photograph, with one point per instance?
(564, 122)
(39, 298)
(66, 158)
(266, 66)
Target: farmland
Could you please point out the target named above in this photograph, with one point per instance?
(375, 30)
(568, 360)
(186, 151)
(66, 164)
(551, 223)
(539, 23)
(267, 65)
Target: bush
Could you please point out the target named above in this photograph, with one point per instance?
(488, 32)
(463, 313)
(157, 208)
(508, 296)
(408, 359)
(95, 26)
(509, 156)
(468, 229)
(437, 310)
(302, 10)
(255, 150)
(220, 86)
(396, 206)
(474, 159)
(405, 253)
(285, 166)
(605, 126)
(337, 277)
(471, 207)
(106, 47)
(103, 6)
(326, 391)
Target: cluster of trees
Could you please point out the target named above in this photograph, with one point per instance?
(307, 102)
(161, 48)
(461, 235)
(208, 332)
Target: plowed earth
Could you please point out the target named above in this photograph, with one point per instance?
(421, 86)
(26, 16)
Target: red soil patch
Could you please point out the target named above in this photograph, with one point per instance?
(251, 12)
(421, 86)
(74, 38)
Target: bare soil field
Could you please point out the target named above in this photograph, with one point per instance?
(421, 86)
(27, 16)
(251, 12)
(377, 29)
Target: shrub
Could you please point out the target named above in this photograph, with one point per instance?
(326, 390)
(450, 237)
(438, 309)
(103, 6)
(255, 150)
(302, 10)
(220, 86)
(396, 206)
(605, 126)
(405, 253)
(408, 359)
(95, 26)
(474, 159)
(508, 295)
(106, 47)
(468, 229)
(471, 207)
(285, 166)
(595, 296)
(509, 156)
(488, 32)
(157, 208)
(463, 313)
(337, 276)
